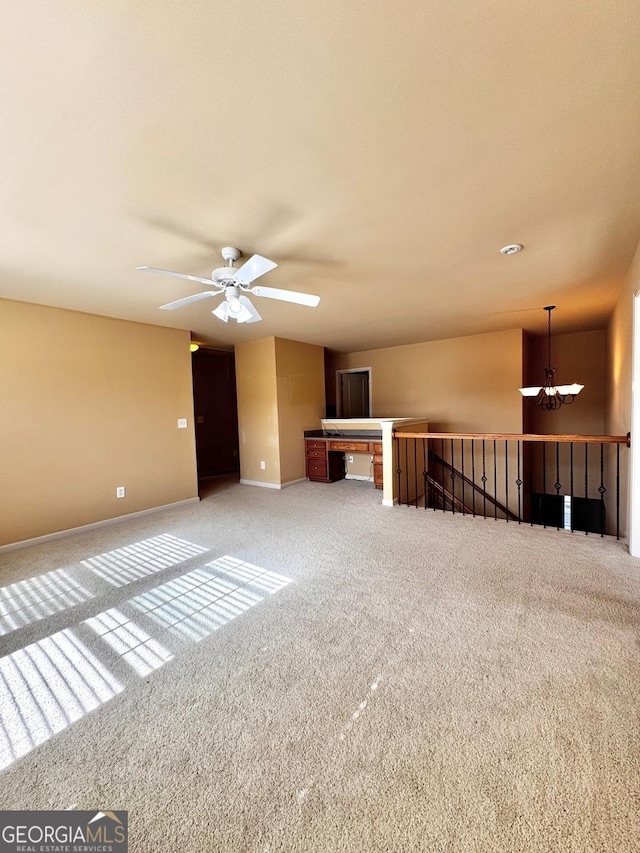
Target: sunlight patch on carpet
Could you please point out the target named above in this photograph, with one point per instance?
(198, 603)
(36, 598)
(130, 641)
(44, 688)
(50, 684)
(132, 562)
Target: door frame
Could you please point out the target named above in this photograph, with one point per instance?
(339, 389)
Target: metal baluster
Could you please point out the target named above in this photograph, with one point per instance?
(618, 489)
(532, 471)
(571, 475)
(406, 464)
(495, 482)
(462, 468)
(424, 470)
(453, 482)
(484, 481)
(586, 476)
(399, 469)
(444, 508)
(558, 484)
(415, 467)
(544, 480)
(434, 491)
(602, 490)
(519, 485)
(506, 476)
(473, 476)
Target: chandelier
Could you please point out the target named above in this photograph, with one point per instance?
(551, 396)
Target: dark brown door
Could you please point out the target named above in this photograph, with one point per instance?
(354, 395)
(216, 412)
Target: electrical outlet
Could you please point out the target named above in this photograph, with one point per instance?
(351, 460)
(120, 491)
(182, 423)
(263, 465)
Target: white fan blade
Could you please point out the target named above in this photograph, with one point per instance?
(254, 268)
(197, 278)
(246, 303)
(286, 295)
(171, 306)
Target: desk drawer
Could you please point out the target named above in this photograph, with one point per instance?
(355, 446)
(317, 469)
(316, 454)
(312, 444)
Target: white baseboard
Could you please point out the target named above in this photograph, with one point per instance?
(258, 483)
(389, 503)
(295, 482)
(358, 477)
(59, 534)
(273, 485)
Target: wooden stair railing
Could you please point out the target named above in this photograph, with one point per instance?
(569, 483)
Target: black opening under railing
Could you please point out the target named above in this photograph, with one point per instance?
(569, 482)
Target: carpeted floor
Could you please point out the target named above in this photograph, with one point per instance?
(307, 670)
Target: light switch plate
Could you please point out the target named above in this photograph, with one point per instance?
(182, 423)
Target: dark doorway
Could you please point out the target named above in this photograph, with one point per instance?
(354, 394)
(216, 412)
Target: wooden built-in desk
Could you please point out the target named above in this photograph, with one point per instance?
(325, 457)
(325, 449)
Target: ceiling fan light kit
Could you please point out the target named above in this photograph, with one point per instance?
(549, 396)
(237, 308)
(233, 283)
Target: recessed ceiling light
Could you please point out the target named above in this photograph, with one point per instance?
(512, 249)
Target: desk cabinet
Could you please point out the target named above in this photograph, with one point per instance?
(377, 464)
(322, 465)
(325, 458)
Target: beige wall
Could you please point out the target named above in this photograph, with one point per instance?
(280, 387)
(619, 364)
(87, 404)
(461, 384)
(256, 384)
(619, 350)
(300, 379)
(578, 357)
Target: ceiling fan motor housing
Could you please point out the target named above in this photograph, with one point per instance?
(222, 275)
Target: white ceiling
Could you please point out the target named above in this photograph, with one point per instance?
(381, 153)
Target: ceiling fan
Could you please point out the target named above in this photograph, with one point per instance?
(233, 283)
